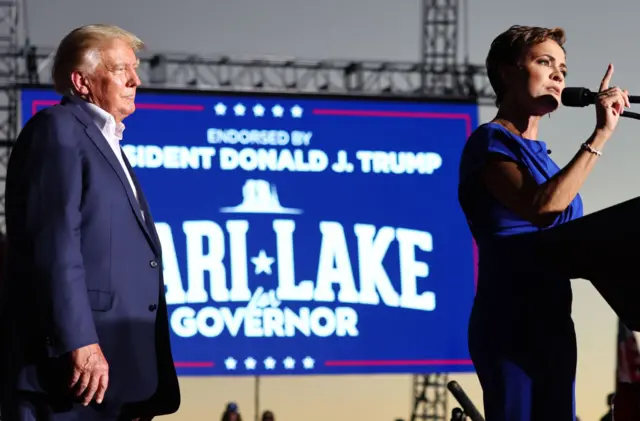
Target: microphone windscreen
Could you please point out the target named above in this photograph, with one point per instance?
(577, 97)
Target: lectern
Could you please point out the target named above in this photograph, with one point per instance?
(603, 248)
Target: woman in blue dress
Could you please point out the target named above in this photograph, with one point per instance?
(521, 335)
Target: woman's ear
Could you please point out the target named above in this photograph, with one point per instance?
(508, 74)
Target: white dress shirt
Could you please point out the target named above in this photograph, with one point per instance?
(111, 130)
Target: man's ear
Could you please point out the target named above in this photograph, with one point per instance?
(80, 82)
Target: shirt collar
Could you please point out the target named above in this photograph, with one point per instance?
(105, 121)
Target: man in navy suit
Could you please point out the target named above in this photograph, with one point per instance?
(84, 324)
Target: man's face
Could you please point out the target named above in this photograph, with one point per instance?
(112, 85)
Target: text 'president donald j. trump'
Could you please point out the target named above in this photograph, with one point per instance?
(84, 330)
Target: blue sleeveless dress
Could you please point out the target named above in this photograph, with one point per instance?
(521, 335)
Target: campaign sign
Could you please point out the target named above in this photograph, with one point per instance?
(306, 234)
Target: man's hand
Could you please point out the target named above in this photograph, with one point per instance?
(90, 373)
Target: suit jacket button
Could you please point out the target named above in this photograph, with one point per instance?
(153, 307)
(48, 340)
(153, 263)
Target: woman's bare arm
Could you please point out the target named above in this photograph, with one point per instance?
(514, 187)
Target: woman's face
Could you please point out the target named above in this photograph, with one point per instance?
(538, 82)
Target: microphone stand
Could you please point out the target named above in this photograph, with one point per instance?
(629, 114)
(468, 409)
(458, 415)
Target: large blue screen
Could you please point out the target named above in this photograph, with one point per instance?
(306, 235)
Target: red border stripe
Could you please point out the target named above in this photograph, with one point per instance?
(389, 363)
(36, 104)
(194, 364)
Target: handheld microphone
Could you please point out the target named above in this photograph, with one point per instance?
(581, 97)
(467, 406)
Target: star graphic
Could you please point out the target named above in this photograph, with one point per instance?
(230, 363)
(277, 111)
(269, 363)
(289, 363)
(220, 108)
(296, 111)
(308, 362)
(250, 363)
(239, 109)
(258, 110)
(263, 263)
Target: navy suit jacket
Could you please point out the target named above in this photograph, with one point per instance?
(84, 266)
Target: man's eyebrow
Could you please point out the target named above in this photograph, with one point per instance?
(123, 64)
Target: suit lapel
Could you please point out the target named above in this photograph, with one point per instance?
(101, 143)
(144, 205)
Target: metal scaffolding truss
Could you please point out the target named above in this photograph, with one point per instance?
(272, 74)
(439, 40)
(439, 48)
(430, 397)
(9, 73)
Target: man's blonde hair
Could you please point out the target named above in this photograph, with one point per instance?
(80, 50)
